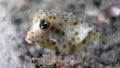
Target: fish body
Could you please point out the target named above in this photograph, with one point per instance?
(60, 31)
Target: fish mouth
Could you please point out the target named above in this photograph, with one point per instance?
(30, 38)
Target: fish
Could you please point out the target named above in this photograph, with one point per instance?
(60, 31)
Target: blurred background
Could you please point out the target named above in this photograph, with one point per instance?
(16, 19)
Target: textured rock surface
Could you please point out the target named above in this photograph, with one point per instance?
(16, 18)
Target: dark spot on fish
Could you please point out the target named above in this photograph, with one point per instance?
(52, 28)
(76, 33)
(75, 23)
(82, 21)
(57, 31)
(60, 24)
(50, 17)
(44, 46)
(69, 43)
(40, 42)
(48, 40)
(64, 46)
(65, 14)
(72, 47)
(63, 33)
(65, 20)
(84, 41)
(54, 17)
(73, 39)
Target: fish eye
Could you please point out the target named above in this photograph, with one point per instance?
(44, 24)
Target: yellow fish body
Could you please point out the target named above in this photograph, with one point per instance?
(60, 31)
